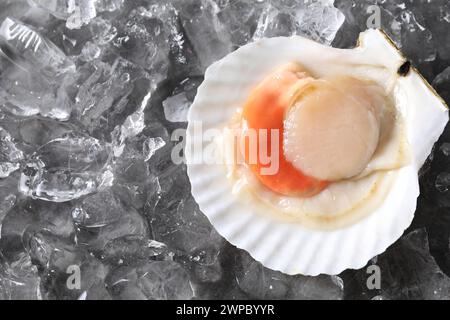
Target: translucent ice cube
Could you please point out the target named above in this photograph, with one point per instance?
(66, 168)
(34, 72)
(10, 154)
(151, 145)
(76, 12)
(176, 108)
(159, 280)
(261, 283)
(143, 35)
(29, 49)
(19, 280)
(130, 250)
(207, 34)
(103, 99)
(240, 18)
(98, 210)
(317, 20)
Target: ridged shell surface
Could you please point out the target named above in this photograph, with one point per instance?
(290, 247)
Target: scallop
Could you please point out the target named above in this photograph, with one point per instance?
(346, 130)
(344, 105)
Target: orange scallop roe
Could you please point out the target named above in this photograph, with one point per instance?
(265, 110)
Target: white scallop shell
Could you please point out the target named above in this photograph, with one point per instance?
(288, 247)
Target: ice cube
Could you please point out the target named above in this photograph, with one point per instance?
(133, 125)
(143, 36)
(15, 8)
(131, 224)
(105, 98)
(30, 50)
(48, 250)
(10, 154)
(102, 31)
(19, 280)
(92, 284)
(76, 12)
(188, 87)
(261, 283)
(90, 51)
(415, 34)
(185, 228)
(207, 34)
(321, 287)
(108, 5)
(13, 226)
(176, 108)
(240, 18)
(317, 20)
(35, 73)
(435, 17)
(46, 232)
(162, 157)
(53, 217)
(132, 176)
(184, 61)
(27, 94)
(58, 8)
(151, 145)
(206, 263)
(66, 168)
(131, 250)
(8, 196)
(274, 22)
(61, 260)
(38, 131)
(32, 216)
(159, 280)
(99, 210)
(104, 217)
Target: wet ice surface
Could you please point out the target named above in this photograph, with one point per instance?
(90, 93)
